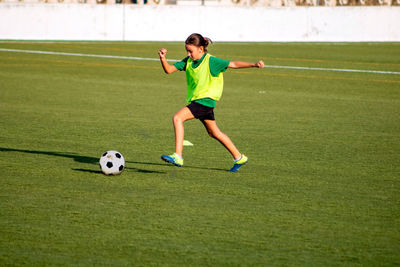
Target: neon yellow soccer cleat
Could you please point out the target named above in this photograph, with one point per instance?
(239, 163)
(174, 159)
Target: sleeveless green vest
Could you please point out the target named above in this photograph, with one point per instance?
(200, 82)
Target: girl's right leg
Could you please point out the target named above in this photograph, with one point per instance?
(178, 119)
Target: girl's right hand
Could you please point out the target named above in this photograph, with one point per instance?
(162, 52)
(260, 64)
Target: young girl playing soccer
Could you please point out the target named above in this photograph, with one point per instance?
(204, 87)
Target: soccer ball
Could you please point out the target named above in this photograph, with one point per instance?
(112, 163)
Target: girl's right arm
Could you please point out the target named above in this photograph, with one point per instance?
(164, 63)
(241, 64)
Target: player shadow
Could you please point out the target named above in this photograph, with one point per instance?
(75, 157)
(87, 170)
(126, 168)
(185, 166)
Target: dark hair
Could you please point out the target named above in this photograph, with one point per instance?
(198, 40)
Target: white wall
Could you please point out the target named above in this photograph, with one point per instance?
(43, 21)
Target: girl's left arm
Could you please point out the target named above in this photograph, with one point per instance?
(242, 64)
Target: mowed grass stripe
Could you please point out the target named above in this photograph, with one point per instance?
(176, 60)
(95, 46)
(134, 66)
(131, 65)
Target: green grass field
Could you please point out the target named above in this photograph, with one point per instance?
(322, 187)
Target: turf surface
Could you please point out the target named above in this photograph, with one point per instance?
(322, 186)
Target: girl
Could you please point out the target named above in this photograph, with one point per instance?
(204, 87)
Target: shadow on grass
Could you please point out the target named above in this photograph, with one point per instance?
(75, 157)
(87, 170)
(126, 168)
(185, 166)
(93, 160)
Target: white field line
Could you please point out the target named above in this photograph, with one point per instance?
(176, 60)
(332, 69)
(78, 54)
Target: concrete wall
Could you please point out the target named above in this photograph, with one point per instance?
(41, 21)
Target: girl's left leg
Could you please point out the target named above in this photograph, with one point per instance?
(216, 133)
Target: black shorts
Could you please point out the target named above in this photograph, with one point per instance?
(201, 112)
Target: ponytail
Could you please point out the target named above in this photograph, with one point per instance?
(198, 40)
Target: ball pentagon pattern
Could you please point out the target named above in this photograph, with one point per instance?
(112, 162)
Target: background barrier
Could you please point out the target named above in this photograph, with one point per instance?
(46, 21)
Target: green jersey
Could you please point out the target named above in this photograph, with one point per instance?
(216, 66)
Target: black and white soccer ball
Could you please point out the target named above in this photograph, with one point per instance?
(112, 163)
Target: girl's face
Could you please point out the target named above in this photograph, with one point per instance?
(194, 52)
